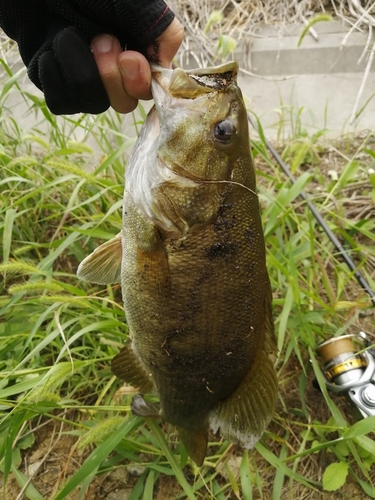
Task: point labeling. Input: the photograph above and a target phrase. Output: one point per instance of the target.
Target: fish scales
(200, 312)
(191, 260)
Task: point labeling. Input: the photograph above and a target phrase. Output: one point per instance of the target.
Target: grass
(66, 431)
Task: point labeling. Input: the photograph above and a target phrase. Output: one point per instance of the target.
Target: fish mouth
(189, 84)
(171, 88)
(215, 78)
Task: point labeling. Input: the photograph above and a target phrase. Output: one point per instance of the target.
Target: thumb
(169, 42)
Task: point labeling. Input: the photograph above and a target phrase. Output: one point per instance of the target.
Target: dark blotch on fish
(221, 250)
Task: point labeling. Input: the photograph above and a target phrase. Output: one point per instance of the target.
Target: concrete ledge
(276, 53)
(307, 61)
(318, 81)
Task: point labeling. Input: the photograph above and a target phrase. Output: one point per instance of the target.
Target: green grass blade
(340, 421)
(137, 491)
(30, 491)
(98, 456)
(245, 477)
(283, 318)
(15, 425)
(116, 154)
(10, 215)
(369, 489)
(279, 465)
(361, 428)
(171, 458)
(279, 476)
(148, 493)
(13, 80)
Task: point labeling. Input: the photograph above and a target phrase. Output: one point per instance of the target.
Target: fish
(191, 261)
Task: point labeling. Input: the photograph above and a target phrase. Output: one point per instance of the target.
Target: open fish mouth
(188, 84)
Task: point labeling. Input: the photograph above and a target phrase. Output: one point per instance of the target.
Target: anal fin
(195, 443)
(126, 366)
(243, 416)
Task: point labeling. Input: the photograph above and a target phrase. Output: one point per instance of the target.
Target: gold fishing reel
(348, 365)
(340, 361)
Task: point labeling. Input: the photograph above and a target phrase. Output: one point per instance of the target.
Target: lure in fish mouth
(191, 262)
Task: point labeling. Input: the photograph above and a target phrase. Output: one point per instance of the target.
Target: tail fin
(195, 443)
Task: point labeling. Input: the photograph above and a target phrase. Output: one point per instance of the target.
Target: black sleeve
(53, 37)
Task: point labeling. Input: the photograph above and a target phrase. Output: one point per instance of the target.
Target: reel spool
(349, 371)
(341, 363)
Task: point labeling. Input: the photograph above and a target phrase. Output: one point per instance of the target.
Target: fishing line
(319, 218)
(229, 182)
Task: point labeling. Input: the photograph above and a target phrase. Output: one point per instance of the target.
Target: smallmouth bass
(191, 261)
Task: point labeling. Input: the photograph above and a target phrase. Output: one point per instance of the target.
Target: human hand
(54, 37)
(126, 75)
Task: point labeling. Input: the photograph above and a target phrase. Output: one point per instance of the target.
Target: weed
(59, 200)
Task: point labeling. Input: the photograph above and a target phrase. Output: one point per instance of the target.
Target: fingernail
(129, 68)
(102, 43)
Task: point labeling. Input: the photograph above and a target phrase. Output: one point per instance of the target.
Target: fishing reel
(348, 366)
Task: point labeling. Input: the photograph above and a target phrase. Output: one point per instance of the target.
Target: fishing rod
(341, 250)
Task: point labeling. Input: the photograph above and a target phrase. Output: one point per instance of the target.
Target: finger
(136, 74)
(168, 43)
(106, 49)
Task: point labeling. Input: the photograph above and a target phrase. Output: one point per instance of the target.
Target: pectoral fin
(126, 366)
(103, 266)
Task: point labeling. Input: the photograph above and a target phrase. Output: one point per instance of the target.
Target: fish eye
(224, 131)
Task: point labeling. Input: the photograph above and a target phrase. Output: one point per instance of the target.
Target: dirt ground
(53, 458)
